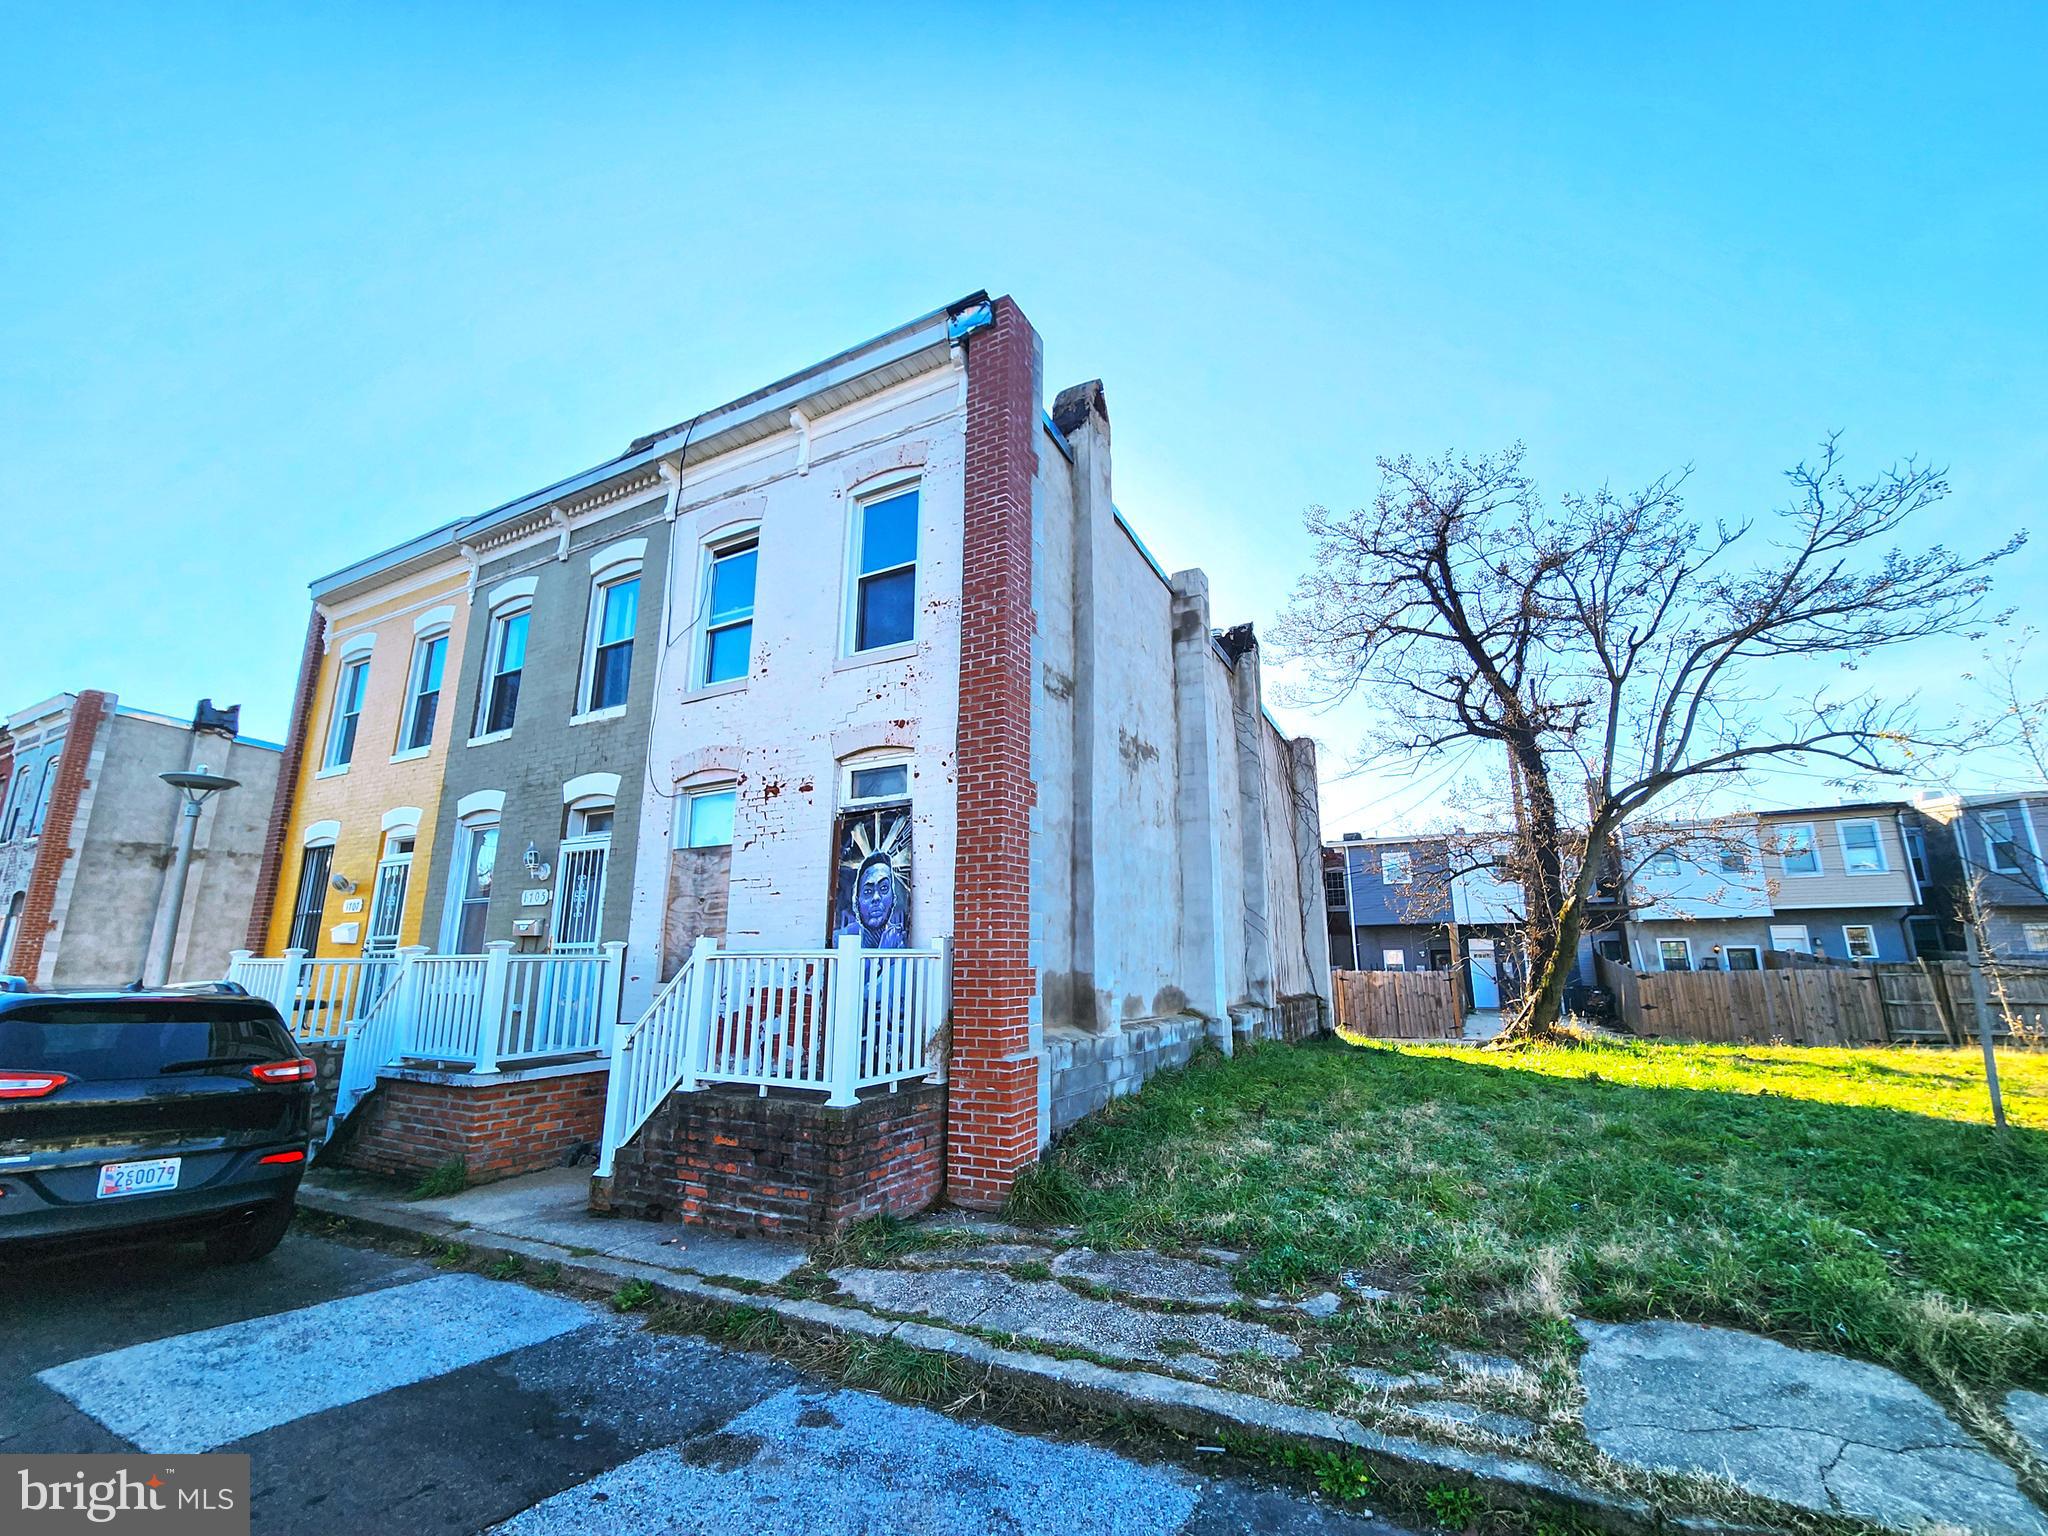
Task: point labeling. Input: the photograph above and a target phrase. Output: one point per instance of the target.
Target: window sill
(593, 716)
(880, 653)
(332, 773)
(717, 690)
(490, 736)
(412, 754)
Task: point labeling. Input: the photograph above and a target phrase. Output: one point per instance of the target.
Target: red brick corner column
(271, 868)
(992, 1109)
(55, 848)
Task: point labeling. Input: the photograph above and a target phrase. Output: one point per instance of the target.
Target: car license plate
(150, 1178)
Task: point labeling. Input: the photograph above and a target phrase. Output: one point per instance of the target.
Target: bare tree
(1616, 650)
(2008, 685)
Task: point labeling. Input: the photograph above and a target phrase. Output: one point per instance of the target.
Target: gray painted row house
(551, 712)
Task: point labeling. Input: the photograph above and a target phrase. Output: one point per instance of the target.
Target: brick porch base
(500, 1123)
(733, 1161)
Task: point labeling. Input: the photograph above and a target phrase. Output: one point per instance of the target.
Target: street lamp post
(195, 787)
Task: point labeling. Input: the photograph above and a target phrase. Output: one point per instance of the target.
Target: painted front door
(1485, 975)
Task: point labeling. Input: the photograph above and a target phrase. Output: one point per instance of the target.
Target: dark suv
(132, 1116)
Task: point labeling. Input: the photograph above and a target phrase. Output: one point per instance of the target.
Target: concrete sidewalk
(1666, 1421)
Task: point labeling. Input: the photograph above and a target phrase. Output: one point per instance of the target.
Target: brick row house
(87, 829)
(812, 809)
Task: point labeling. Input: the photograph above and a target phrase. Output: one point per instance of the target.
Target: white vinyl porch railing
(479, 1013)
(836, 1020)
(320, 999)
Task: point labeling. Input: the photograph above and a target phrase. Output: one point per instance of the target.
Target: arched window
(10, 925)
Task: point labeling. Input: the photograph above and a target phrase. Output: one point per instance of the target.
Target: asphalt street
(377, 1394)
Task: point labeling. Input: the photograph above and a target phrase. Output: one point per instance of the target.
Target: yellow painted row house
(347, 872)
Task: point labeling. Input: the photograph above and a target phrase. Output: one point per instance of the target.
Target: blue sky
(283, 285)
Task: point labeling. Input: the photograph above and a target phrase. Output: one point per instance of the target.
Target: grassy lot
(1852, 1199)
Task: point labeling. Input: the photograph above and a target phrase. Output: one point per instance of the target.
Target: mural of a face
(871, 899)
(875, 898)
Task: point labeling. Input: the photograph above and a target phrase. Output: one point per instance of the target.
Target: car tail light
(15, 1084)
(300, 1070)
(282, 1157)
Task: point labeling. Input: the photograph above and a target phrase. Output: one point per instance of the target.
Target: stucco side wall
(123, 840)
(377, 779)
(784, 734)
(1135, 779)
(1062, 826)
(1229, 822)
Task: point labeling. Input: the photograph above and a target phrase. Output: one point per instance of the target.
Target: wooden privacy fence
(1399, 1005)
(1920, 1002)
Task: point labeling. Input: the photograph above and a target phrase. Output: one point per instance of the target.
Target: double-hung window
(1860, 940)
(1664, 863)
(885, 569)
(729, 616)
(1862, 849)
(614, 615)
(2000, 846)
(1397, 867)
(1734, 860)
(348, 711)
(423, 693)
(504, 664)
(1796, 847)
(1675, 954)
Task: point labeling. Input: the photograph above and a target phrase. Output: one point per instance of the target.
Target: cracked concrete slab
(977, 1255)
(2027, 1412)
(1812, 1429)
(1373, 1379)
(1507, 1426)
(1048, 1313)
(1149, 1276)
(553, 1206)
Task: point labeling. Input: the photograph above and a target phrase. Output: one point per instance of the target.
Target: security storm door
(387, 905)
(579, 893)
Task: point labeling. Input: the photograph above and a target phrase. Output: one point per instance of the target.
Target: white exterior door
(579, 893)
(387, 905)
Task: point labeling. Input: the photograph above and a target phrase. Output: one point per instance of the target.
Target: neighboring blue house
(1995, 842)
(1398, 901)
